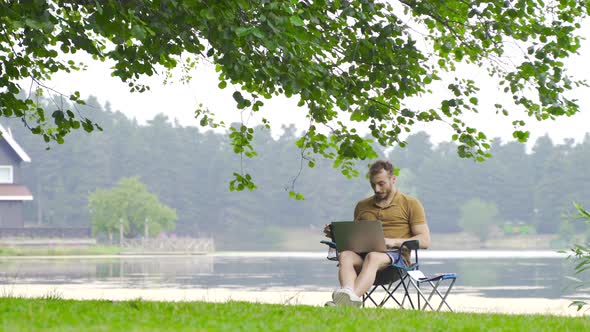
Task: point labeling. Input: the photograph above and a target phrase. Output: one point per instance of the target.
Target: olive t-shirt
(397, 218)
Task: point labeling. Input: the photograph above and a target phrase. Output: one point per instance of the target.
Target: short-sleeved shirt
(397, 218)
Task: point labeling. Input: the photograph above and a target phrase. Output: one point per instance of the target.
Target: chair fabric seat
(444, 276)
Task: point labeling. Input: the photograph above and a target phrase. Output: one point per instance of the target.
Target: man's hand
(393, 243)
(328, 231)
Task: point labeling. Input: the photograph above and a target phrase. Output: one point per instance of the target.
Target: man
(402, 218)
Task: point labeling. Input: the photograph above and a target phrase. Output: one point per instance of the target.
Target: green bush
(580, 254)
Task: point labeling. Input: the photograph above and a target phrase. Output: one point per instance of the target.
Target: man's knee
(348, 257)
(377, 259)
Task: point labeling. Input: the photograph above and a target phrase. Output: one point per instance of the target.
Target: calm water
(491, 274)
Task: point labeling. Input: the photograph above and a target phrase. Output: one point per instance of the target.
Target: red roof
(14, 192)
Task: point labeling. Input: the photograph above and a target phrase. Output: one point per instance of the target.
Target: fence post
(120, 231)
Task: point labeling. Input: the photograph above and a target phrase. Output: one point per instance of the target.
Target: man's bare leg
(374, 261)
(350, 263)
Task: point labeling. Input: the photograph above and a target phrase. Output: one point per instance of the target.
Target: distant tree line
(190, 170)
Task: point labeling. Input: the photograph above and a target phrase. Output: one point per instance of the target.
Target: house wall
(9, 157)
(11, 214)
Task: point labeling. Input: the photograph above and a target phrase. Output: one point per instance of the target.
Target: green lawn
(49, 314)
(60, 251)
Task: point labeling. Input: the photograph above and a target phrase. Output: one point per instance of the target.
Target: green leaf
(296, 21)
(238, 97)
(241, 31)
(138, 32)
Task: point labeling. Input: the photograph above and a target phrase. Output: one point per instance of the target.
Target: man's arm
(421, 233)
(328, 228)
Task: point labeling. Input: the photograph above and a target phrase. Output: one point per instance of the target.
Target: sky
(179, 101)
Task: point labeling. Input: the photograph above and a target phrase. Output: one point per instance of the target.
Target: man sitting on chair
(402, 218)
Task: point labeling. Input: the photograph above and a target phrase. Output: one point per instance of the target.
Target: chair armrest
(330, 244)
(411, 244)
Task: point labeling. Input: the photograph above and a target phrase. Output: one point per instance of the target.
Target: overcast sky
(178, 101)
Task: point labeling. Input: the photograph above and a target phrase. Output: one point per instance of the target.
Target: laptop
(359, 236)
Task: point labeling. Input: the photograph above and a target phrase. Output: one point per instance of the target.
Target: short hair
(379, 165)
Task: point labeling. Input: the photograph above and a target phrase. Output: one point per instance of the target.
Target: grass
(54, 314)
(60, 251)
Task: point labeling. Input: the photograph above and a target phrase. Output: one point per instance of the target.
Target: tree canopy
(130, 205)
(477, 216)
(354, 60)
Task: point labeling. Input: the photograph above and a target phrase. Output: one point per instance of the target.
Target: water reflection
(517, 277)
(492, 277)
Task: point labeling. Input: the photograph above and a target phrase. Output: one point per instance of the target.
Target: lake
(515, 274)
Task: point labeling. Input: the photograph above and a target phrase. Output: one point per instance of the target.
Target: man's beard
(382, 196)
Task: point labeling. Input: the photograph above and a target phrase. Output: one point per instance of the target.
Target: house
(12, 192)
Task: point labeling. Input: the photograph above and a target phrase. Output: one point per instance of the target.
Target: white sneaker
(330, 304)
(346, 297)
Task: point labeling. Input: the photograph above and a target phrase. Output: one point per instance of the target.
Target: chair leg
(444, 298)
(404, 297)
(418, 296)
(406, 290)
(447, 294)
(389, 295)
(368, 296)
(405, 279)
(421, 295)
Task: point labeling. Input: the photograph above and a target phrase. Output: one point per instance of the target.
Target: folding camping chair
(405, 279)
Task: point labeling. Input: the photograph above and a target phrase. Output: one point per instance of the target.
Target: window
(6, 174)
